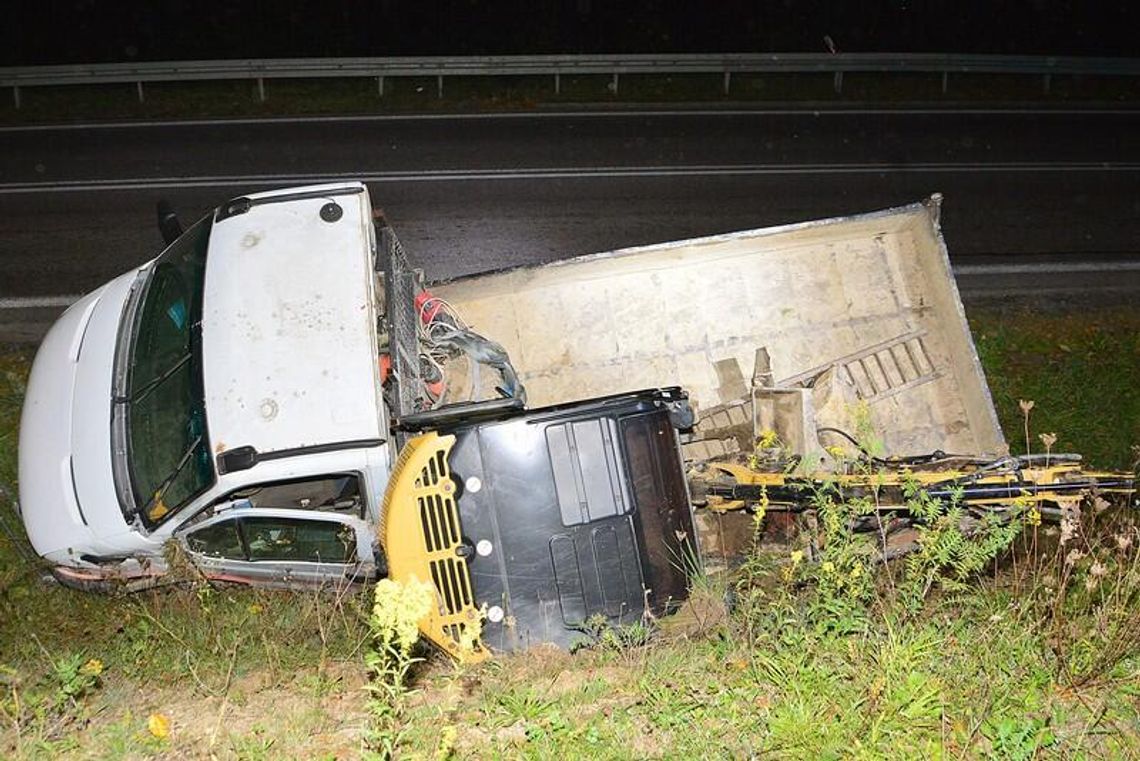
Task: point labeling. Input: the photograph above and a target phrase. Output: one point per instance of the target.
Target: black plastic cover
(574, 512)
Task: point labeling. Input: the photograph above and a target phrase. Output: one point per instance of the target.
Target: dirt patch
(317, 712)
(703, 613)
(572, 680)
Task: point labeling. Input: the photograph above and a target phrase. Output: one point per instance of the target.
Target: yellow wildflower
(1033, 517)
(797, 557)
(398, 609)
(768, 439)
(93, 667)
(158, 724)
(447, 740)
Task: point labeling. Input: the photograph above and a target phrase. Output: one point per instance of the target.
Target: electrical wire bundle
(444, 336)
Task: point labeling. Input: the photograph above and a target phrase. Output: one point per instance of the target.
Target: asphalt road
(1050, 199)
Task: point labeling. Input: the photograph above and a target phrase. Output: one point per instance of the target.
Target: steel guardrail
(557, 66)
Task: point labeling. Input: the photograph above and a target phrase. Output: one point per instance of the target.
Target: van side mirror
(239, 458)
(168, 223)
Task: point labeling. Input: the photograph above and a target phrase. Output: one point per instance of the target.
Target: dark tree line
(90, 31)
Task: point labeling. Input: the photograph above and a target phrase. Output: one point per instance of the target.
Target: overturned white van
(243, 397)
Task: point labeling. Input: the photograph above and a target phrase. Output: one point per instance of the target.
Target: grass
(970, 680)
(240, 98)
(232, 669)
(1083, 375)
(1026, 661)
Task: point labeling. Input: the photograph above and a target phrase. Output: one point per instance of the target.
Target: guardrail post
(945, 81)
(727, 81)
(1047, 83)
(837, 82)
(439, 86)
(16, 95)
(380, 85)
(557, 83)
(614, 84)
(261, 89)
(139, 87)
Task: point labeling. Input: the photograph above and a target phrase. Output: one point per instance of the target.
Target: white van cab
(252, 339)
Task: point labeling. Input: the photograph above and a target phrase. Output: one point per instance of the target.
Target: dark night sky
(89, 31)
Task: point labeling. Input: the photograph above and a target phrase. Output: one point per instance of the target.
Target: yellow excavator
(533, 512)
(478, 513)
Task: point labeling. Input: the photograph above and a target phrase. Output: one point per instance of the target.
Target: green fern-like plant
(952, 545)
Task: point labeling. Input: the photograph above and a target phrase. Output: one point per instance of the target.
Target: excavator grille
(423, 536)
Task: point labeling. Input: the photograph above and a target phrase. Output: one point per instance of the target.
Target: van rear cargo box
(861, 313)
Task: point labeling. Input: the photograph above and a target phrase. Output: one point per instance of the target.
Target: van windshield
(167, 452)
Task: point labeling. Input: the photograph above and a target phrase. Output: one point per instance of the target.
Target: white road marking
(558, 173)
(807, 110)
(1050, 268)
(38, 302)
(977, 294)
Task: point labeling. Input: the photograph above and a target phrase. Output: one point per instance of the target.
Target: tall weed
(394, 625)
(1081, 585)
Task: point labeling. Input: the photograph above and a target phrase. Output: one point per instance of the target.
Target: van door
(274, 547)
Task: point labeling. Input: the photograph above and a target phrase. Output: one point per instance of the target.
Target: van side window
(338, 493)
(299, 539)
(254, 537)
(220, 540)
